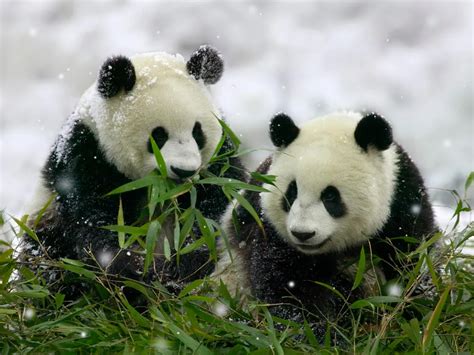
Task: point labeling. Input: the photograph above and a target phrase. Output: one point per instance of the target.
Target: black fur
(160, 136)
(117, 73)
(283, 130)
(206, 64)
(271, 263)
(332, 202)
(199, 135)
(81, 176)
(409, 191)
(373, 130)
(290, 196)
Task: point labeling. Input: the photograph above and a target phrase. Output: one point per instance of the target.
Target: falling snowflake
(64, 184)
(161, 345)
(447, 143)
(415, 209)
(83, 334)
(291, 284)
(220, 309)
(104, 258)
(394, 290)
(29, 313)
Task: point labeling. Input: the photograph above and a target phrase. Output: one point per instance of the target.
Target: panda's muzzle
(181, 173)
(303, 236)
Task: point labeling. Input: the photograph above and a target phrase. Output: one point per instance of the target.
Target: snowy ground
(411, 61)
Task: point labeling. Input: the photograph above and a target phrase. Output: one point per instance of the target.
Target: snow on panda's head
(158, 95)
(334, 180)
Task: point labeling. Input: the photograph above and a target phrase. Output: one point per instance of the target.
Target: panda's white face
(329, 193)
(166, 103)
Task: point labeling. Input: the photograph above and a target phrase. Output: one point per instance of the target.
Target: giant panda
(105, 143)
(341, 183)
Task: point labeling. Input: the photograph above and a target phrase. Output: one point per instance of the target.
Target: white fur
(326, 153)
(164, 95)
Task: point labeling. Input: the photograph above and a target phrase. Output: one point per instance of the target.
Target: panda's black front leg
(92, 244)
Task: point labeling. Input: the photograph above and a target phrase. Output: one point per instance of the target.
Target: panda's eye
(332, 201)
(290, 196)
(160, 136)
(198, 135)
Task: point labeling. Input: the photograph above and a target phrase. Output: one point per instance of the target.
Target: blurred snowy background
(411, 61)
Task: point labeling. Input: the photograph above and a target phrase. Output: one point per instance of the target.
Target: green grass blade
(360, 269)
(120, 222)
(150, 242)
(245, 204)
(160, 161)
(434, 319)
(231, 183)
(134, 185)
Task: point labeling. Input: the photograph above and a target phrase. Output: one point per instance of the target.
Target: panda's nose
(183, 173)
(303, 236)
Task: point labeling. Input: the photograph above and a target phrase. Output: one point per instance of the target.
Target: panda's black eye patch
(198, 135)
(290, 196)
(160, 135)
(332, 202)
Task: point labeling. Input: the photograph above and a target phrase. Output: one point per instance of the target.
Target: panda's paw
(121, 263)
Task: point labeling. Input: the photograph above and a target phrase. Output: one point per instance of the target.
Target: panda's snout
(303, 236)
(181, 173)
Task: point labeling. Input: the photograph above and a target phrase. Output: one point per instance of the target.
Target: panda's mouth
(312, 247)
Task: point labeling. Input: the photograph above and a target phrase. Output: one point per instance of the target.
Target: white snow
(29, 313)
(220, 309)
(104, 258)
(394, 289)
(411, 61)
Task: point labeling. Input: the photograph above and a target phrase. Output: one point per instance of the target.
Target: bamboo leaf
(120, 222)
(232, 183)
(43, 210)
(26, 229)
(360, 269)
(191, 286)
(150, 242)
(166, 248)
(245, 204)
(159, 158)
(434, 319)
(187, 340)
(134, 185)
(469, 181)
(229, 132)
(429, 242)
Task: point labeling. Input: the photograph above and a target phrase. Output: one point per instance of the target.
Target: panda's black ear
(206, 64)
(373, 130)
(283, 130)
(117, 73)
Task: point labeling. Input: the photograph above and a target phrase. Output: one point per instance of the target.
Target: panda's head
(158, 95)
(334, 182)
